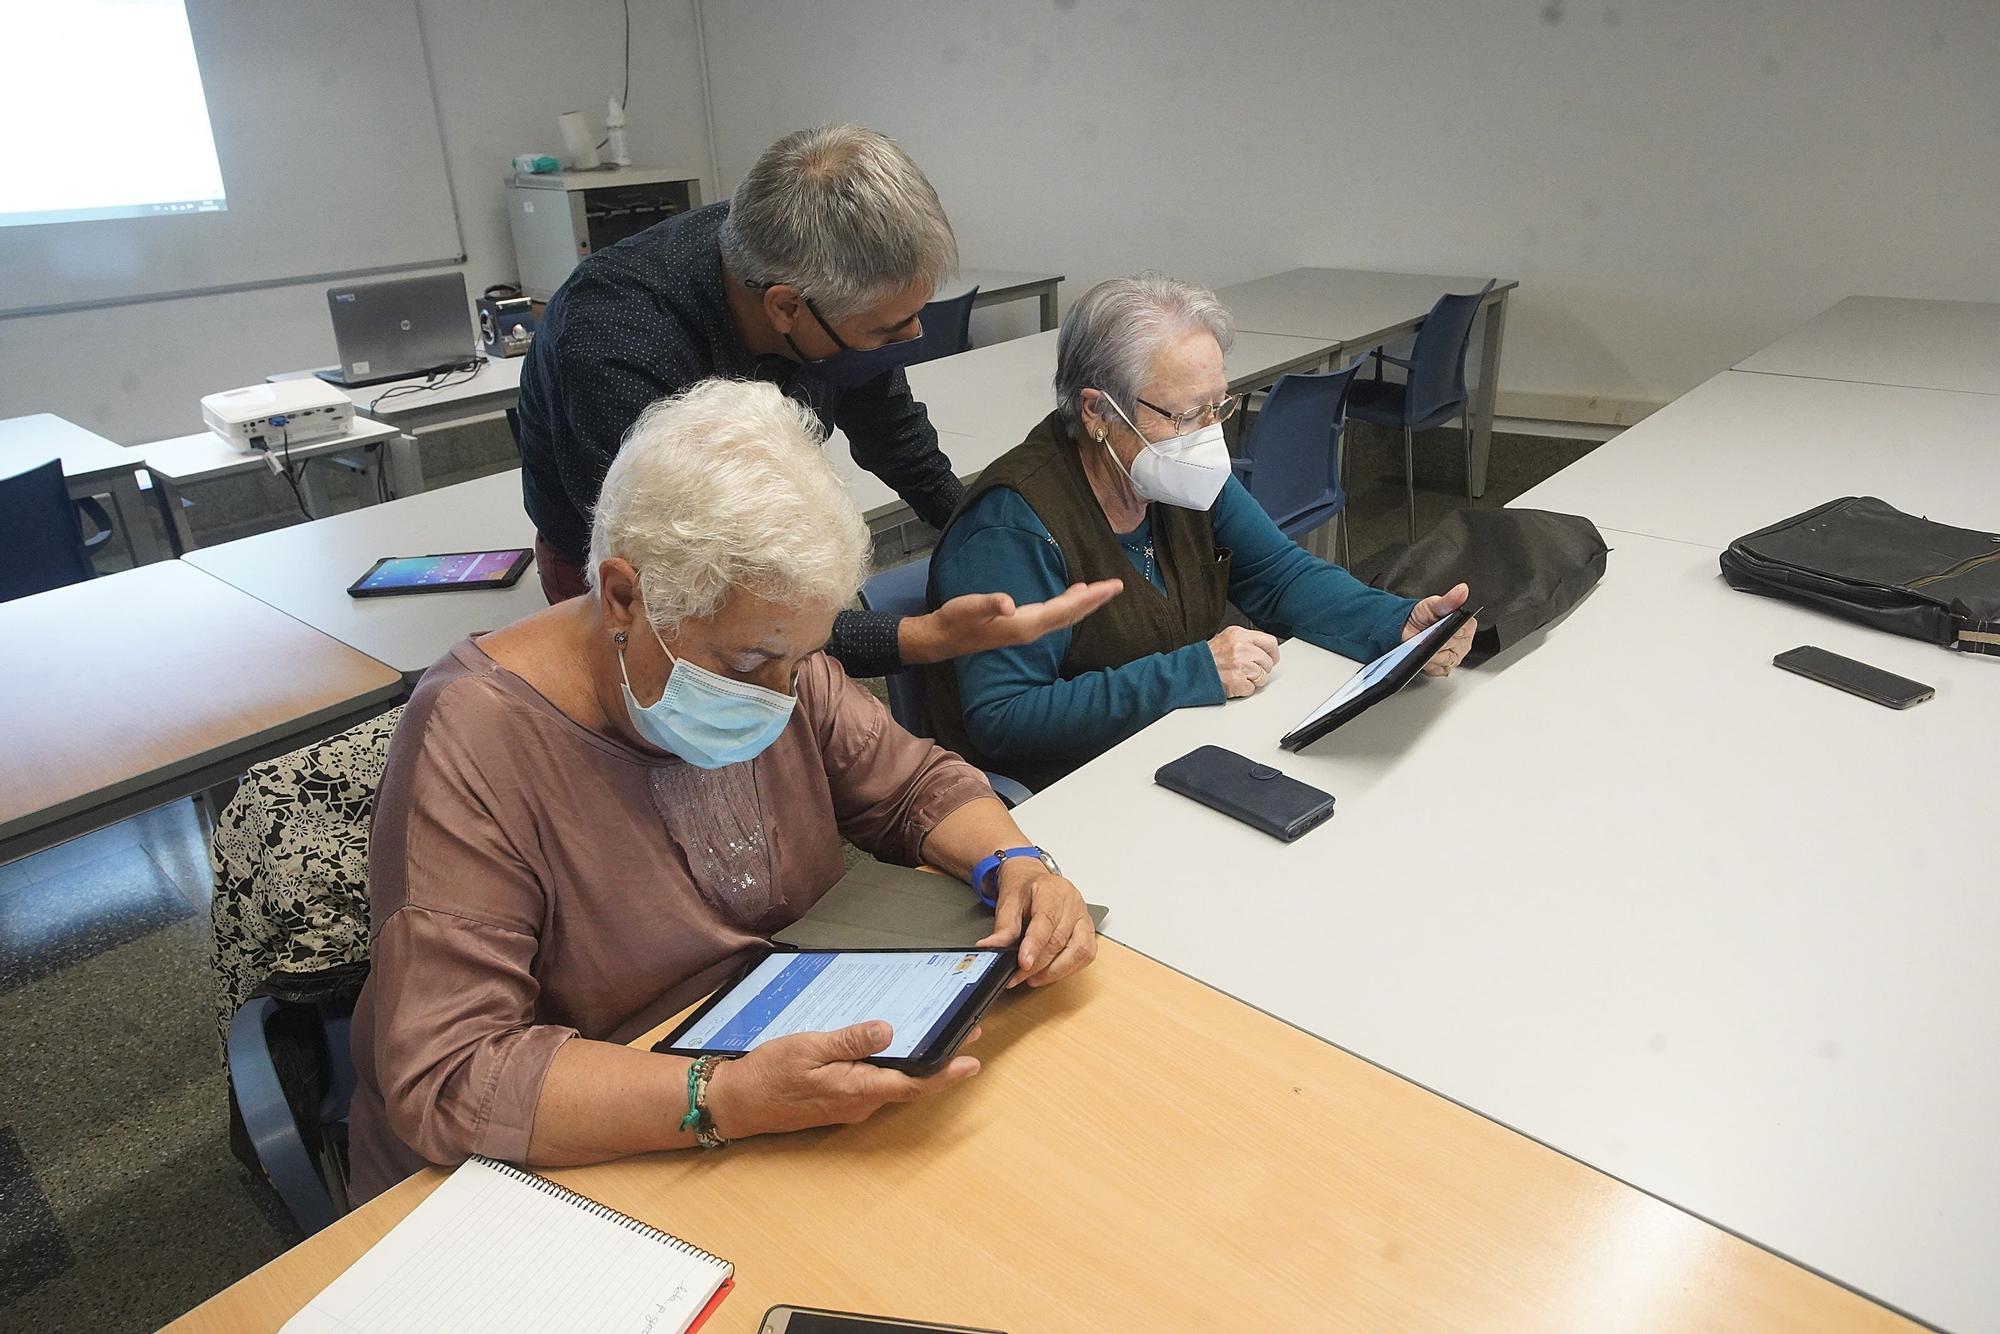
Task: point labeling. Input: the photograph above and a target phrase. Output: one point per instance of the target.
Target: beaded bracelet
(697, 1118)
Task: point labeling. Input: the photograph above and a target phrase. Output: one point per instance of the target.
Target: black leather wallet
(1242, 789)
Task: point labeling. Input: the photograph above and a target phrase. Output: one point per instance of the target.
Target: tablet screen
(815, 991)
(1425, 643)
(461, 568)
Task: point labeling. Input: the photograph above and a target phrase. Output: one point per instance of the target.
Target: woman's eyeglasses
(1207, 413)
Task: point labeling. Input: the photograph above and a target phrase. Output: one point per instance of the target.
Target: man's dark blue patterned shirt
(648, 317)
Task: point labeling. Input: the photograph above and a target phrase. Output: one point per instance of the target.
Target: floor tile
(80, 910)
(111, 1077)
(176, 837)
(33, 1249)
(67, 856)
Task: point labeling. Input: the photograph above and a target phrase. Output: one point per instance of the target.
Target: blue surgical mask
(852, 366)
(708, 720)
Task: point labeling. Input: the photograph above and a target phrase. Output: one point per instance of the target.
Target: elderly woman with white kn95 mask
(1130, 476)
(590, 818)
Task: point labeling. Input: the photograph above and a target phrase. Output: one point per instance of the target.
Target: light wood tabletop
(1143, 1153)
(130, 690)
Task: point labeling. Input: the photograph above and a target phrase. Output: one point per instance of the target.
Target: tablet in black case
(1242, 789)
(1377, 681)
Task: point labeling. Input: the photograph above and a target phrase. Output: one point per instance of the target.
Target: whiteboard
(327, 130)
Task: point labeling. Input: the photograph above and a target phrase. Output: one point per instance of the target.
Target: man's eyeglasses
(1207, 413)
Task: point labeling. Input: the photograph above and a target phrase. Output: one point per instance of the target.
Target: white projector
(271, 416)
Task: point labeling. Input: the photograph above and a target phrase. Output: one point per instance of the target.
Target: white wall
(1675, 182)
(504, 69)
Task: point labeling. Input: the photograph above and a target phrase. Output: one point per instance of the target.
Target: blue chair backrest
(947, 327)
(1437, 365)
(41, 542)
(1296, 442)
(902, 592)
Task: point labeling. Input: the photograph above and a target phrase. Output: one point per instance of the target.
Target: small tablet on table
(1377, 681)
(930, 997)
(448, 572)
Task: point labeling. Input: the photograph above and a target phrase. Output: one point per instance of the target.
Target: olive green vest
(1141, 620)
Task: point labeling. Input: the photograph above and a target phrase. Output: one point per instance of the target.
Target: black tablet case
(1245, 790)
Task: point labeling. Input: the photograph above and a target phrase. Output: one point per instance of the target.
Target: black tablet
(1376, 682)
(452, 571)
(930, 997)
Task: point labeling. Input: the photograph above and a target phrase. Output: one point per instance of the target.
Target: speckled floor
(120, 1203)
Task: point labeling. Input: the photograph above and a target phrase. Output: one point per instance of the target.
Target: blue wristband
(988, 870)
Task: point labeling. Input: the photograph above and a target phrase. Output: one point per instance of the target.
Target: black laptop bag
(1865, 560)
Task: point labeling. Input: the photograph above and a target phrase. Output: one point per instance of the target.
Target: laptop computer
(398, 328)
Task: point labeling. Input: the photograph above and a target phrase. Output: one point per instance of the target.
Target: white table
(998, 285)
(493, 388)
(984, 402)
(461, 398)
(996, 394)
(206, 456)
(1893, 340)
(91, 466)
(304, 570)
(1709, 927)
(1358, 309)
(1742, 451)
(878, 502)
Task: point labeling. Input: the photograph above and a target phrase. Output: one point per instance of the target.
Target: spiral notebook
(497, 1248)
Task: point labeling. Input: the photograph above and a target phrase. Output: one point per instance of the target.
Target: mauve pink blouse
(531, 880)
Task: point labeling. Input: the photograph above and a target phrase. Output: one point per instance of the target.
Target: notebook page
(491, 1252)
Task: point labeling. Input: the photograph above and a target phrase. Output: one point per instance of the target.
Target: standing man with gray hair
(811, 277)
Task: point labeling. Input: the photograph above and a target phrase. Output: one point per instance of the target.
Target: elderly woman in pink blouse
(590, 818)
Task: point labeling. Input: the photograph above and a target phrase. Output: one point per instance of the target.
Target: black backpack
(1524, 567)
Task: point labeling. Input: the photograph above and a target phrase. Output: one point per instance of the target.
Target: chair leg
(1410, 479)
(1347, 499)
(1466, 428)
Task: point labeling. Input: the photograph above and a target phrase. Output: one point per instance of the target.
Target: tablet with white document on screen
(1377, 681)
(931, 998)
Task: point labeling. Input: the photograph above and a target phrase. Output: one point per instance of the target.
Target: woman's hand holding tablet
(1450, 632)
(929, 999)
(819, 1079)
(1428, 612)
(816, 1027)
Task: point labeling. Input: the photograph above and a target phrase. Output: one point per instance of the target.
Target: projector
(270, 416)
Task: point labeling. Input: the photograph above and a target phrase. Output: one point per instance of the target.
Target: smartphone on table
(1856, 678)
(804, 1320)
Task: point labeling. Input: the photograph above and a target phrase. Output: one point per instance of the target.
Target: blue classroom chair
(1434, 391)
(1291, 463)
(41, 541)
(947, 327)
(904, 591)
